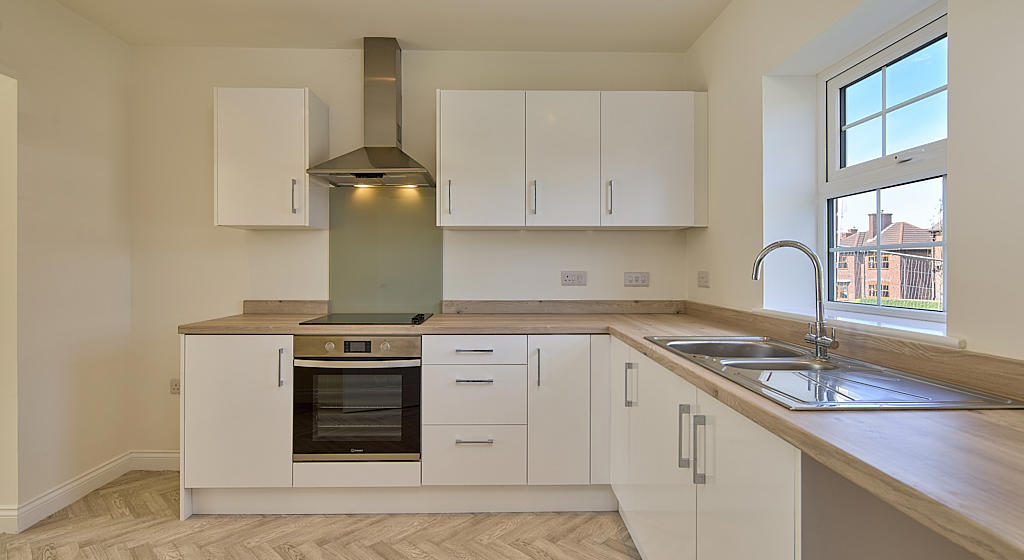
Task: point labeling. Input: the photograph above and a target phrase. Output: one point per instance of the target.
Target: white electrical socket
(703, 279)
(636, 279)
(175, 386)
(574, 277)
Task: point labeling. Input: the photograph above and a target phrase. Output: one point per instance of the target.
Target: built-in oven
(357, 398)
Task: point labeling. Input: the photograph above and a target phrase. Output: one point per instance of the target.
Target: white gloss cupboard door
(481, 158)
(751, 485)
(558, 409)
(648, 148)
(264, 140)
(563, 158)
(237, 392)
(620, 355)
(662, 517)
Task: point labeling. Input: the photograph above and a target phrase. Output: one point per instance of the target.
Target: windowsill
(927, 332)
(934, 328)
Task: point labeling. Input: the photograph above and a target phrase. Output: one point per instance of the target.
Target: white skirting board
(30, 512)
(427, 499)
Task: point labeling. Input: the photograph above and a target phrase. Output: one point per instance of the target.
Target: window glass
(863, 142)
(852, 217)
(916, 124)
(863, 97)
(890, 98)
(917, 205)
(918, 73)
(888, 246)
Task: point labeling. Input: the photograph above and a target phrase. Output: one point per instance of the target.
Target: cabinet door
(662, 516)
(563, 158)
(481, 158)
(260, 156)
(647, 158)
(620, 355)
(558, 397)
(237, 392)
(751, 482)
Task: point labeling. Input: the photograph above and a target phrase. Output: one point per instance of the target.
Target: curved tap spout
(817, 333)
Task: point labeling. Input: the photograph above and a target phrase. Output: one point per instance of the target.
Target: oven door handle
(362, 364)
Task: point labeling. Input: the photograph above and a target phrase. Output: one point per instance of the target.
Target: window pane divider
(889, 247)
(895, 107)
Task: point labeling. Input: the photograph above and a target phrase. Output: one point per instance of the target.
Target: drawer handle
(474, 381)
(474, 350)
(488, 441)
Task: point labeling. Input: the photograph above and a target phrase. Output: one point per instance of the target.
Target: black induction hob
(369, 319)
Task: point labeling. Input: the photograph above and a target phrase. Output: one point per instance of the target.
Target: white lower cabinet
(558, 394)
(506, 409)
(474, 455)
(694, 478)
(237, 411)
(752, 482)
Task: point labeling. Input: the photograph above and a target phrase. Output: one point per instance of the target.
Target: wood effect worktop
(960, 473)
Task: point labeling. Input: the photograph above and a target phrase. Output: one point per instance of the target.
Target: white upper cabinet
(558, 397)
(563, 158)
(265, 139)
(572, 159)
(653, 159)
(481, 159)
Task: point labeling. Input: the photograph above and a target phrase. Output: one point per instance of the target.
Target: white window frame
(916, 164)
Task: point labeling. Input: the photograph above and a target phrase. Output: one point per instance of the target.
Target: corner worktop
(960, 473)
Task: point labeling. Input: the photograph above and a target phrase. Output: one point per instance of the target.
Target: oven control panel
(354, 346)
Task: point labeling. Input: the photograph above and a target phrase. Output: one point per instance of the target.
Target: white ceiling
(509, 25)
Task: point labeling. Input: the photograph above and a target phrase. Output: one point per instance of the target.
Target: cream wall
(73, 230)
(526, 265)
(186, 269)
(984, 195)
(8, 297)
(732, 59)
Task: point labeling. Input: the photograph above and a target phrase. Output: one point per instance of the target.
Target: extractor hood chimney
(381, 161)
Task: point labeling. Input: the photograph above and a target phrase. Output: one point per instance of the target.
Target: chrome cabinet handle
(611, 196)
(294, 209)
(534, 196)
(280, 367)
(488, 441)
(699, 421)
(474, 350)
(538, 367)
(474, 381)
(630, 366)
(684, 411)
(450, 209)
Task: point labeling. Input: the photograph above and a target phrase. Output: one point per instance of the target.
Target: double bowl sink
(791, 376)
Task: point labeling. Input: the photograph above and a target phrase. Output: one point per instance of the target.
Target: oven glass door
(357, 410)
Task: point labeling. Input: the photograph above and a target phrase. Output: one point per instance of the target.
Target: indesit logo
(355, 450)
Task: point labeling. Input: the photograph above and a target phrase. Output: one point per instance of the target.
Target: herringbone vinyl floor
(135, 517)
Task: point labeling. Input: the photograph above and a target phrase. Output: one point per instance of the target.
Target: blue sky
(913, 125)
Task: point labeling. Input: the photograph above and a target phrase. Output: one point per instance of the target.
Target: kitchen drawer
(501, 462)
(474, 394)
(474, 349)
(354, 474)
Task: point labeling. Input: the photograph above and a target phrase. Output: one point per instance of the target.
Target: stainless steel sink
(791, 376)
(739, 347)
(807, 364)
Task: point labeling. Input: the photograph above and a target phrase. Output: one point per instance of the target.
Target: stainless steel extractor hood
(381, 162)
